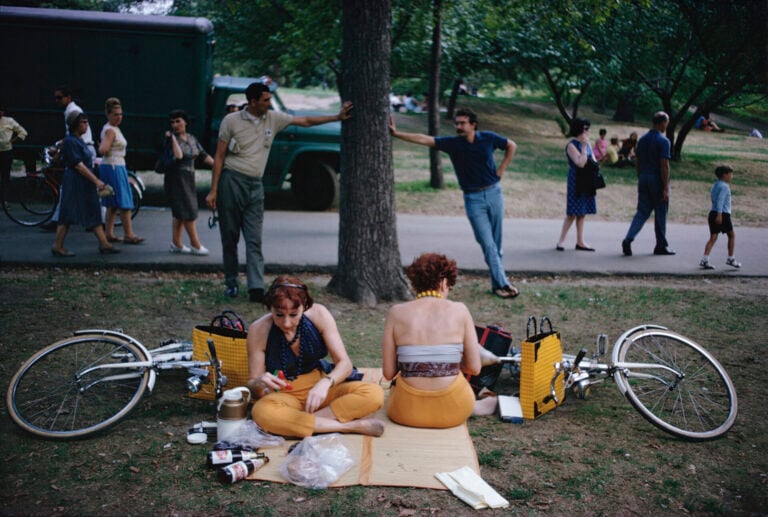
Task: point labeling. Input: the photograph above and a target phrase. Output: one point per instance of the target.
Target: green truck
(153, 64)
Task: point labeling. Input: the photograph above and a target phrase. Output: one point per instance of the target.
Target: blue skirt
(117, 176)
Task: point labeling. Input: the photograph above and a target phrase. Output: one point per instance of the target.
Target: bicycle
(672, 381)
(31, 199)
(87, 383)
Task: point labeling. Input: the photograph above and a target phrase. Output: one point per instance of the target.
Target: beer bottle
(217, 459)
(240, 470)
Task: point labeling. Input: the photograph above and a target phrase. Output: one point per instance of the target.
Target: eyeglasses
(58, 97)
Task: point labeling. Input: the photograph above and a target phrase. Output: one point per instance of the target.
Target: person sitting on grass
(429, 344)
(296, 397)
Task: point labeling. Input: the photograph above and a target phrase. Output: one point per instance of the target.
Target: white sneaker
(706, 265)
(200, 252)
(184, 249)
(732, 262)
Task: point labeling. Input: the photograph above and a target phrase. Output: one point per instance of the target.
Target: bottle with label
(240, 470)
(217, 459)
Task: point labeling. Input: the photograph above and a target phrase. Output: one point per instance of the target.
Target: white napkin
(472, 489)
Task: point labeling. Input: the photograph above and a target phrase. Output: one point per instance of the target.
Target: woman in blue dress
(80, 189)
(579, 204)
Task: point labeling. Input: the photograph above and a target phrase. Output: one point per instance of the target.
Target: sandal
(133, 240)
(507, 292)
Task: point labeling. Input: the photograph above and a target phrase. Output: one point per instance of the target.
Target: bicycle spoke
(697, 403)
(65, 392)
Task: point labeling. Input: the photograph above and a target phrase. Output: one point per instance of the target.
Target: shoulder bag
(166, 162)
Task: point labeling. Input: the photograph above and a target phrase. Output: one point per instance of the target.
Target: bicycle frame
(164, 357)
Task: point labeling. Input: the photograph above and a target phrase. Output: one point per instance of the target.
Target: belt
(480, 189)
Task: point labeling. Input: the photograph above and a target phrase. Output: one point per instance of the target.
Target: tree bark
(436, 179)
(369, 268)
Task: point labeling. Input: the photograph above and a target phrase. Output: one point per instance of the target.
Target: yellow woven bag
(230, 350)
(539, 353)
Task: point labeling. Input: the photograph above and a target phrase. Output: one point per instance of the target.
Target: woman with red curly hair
(429, 343)
(297, 398)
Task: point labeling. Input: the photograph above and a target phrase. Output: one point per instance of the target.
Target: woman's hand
(317, 395)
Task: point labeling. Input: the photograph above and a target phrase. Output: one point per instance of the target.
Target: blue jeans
(485, 210)
(240, 204)
(650, 198)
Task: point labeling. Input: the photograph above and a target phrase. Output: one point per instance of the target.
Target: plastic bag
(251, 435)
(317, 461)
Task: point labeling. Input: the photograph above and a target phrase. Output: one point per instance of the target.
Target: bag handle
(531, 319)
(541, 327)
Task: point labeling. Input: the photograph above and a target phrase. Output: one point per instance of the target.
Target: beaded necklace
(431, 293)
(285, 349)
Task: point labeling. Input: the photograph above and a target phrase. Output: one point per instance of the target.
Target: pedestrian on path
(720, 217)
(652, 162)
(578, 203)
(245, 139)
(471, 153)
(10, 132)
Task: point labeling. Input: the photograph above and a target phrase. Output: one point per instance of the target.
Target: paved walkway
(300, 241)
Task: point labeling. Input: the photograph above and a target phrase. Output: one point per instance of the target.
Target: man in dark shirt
(471, 153)
(652, 162)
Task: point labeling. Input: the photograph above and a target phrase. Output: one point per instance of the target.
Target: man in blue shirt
(652, 162)
(471, 153)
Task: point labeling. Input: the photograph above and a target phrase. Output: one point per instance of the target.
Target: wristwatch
(330, 379)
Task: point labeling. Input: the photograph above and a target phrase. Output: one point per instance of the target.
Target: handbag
(166, 162)
(540, 352)
(496, 340)
(231, 350)
(589, 179)
(599, 180)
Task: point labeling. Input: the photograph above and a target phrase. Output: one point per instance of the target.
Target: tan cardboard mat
(402, 456)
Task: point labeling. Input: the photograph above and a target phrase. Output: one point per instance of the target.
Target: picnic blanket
(402, 456)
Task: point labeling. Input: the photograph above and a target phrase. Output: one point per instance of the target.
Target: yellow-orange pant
(422, 408)
(283, 413)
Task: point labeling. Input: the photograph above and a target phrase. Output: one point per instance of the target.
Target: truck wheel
(315, 185)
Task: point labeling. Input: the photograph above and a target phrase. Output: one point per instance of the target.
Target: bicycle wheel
(679, 387)
(64, 391)
(137, 192)
(29, 200)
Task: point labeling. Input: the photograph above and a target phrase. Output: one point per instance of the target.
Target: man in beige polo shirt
(245, 139)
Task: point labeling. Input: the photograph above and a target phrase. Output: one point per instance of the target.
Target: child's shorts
(724, 227)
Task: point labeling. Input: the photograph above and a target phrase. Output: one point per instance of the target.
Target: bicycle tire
(29, 200)
(137, 193)
(52, 395)
(701, 404)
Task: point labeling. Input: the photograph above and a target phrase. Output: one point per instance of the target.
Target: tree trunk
(451, 108)
(625, 109)
(369, 268)
(435, 165)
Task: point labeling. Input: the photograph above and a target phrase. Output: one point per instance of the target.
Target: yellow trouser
(283, 413)
(422, 408)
